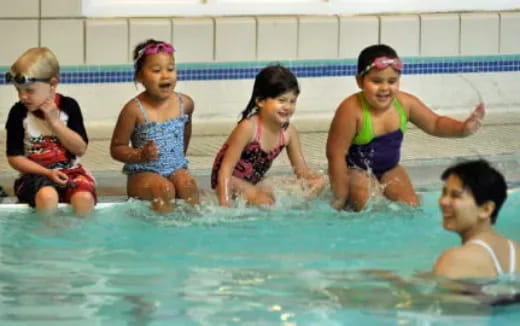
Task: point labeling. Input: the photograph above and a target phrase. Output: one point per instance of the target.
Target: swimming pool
(298, 263)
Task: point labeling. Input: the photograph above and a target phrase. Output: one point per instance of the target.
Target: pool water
(297, 263)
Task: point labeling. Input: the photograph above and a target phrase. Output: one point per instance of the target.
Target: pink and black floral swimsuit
(254, 161)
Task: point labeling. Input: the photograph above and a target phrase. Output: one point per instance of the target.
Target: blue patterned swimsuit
(169, 139)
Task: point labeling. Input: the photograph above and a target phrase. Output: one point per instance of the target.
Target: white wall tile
(277, 38)
(193, 39)
(69, 46)
(61, 8)
(318, 37)
(479, 33)
(17, 36)
(19, 8)
(401, 33)
(235, 39)
(144, 29)
(351, 40)
(440, 35)
(510, 33)
(107, 41)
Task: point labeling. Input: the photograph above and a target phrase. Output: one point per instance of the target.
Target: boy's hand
(50, 110)
(474, 121)
(58, 177)
(149, 152)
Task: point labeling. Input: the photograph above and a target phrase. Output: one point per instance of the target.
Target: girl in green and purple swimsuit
(364, 142)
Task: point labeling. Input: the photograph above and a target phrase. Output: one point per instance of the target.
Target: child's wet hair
(138, 58)
(39, 62)
(370, 53)
(272, 81)
(483, 181)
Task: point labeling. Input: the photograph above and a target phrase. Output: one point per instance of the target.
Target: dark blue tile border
(303, 69)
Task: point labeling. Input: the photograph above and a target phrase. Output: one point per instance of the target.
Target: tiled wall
(110, 41)
(89, 48)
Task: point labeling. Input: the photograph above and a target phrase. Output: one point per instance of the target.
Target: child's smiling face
(280, 108)
(158, 75)
(380, 86)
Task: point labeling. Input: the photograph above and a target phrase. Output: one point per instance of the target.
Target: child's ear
(258, 102)
(139, 77)
(53, 82)
(359, 81)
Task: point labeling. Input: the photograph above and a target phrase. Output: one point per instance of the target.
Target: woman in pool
(471, 198)
(368, 127)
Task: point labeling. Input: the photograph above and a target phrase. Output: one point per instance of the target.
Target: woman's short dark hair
(484, 181)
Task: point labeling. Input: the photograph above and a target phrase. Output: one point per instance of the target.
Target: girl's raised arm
(441, 126)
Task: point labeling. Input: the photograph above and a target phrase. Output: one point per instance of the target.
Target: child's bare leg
(360, 183)
(185, 186)
(46, 200)
(398, 186)
(152, 186)
(83, 202)
(254, 194)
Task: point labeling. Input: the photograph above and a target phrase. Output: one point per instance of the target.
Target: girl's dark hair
(370, 53)
(484, 181)
(270, 82)
(139, 60)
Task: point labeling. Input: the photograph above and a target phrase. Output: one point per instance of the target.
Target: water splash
(474, 88)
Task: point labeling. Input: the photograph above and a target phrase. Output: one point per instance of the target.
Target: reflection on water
(297, 263)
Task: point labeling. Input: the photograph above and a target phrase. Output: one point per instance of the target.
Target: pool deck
(424, 156)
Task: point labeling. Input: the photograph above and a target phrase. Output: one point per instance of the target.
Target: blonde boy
(45, 137)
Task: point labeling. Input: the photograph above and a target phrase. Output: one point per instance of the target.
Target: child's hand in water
(149, 152)
(474, 121)
(314, 186)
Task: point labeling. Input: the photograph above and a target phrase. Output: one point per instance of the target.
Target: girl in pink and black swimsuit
(260, 136)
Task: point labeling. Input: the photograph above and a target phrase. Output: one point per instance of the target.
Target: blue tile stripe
(302, 69)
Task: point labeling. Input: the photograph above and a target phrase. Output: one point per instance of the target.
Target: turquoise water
(298, 263)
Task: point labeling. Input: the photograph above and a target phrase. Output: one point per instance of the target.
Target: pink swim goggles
(381, 63)
(154, 48)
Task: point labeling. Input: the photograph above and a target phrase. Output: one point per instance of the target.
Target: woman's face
(459, 210)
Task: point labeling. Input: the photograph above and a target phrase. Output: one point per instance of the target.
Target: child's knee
(83, 197)
(358, 200)
(83, 202)
(46, 198)
(187, 184)
(47, 194)
(163, 190)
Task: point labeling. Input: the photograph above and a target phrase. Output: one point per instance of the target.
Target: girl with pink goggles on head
(381, 63)
(367, 131)
(155, 48)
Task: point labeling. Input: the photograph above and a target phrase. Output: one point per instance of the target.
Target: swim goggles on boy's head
(381, 63)
(154, 48)
(22, 79)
